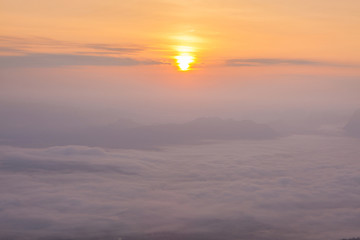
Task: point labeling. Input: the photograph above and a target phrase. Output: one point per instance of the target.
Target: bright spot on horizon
(185, 57)
(186, 48)
(184, 61)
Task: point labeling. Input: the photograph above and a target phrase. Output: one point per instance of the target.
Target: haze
(162, 119)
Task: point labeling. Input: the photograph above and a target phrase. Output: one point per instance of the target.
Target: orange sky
(320, 33)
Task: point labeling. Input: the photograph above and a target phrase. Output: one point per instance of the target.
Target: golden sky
(214, 32)
(124, 56)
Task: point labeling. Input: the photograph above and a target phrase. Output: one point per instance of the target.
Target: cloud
(289, 188)
(243, 62)
(43, 41)
(59, 60)
(10, 50)
(113, 48)
(19, 165)
(25, 45)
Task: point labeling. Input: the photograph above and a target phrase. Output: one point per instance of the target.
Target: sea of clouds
(297, 187)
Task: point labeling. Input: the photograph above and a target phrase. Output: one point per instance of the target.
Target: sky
(321, 31)
(125, 56)
(198, 119)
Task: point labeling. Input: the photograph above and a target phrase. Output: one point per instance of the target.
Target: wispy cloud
(108, 47)
(10, 50)
(25, 42)
(30, 43)
(58, 60)
(252, 62)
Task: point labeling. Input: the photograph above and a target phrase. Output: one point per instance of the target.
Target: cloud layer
(23, 44)
(58, 60)
(244, 62)
(301, 187)
(23, 53)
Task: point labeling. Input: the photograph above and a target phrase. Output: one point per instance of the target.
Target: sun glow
(184, 61)
(185, 57)
(186, 49)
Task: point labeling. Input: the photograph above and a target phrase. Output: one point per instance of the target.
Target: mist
(98, 157)
(104, 96)
(298, 187)
(179, 120)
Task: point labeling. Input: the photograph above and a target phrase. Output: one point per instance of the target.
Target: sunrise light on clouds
(164, 119)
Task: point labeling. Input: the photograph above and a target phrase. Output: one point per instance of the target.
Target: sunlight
(184, 60)
(186, 49)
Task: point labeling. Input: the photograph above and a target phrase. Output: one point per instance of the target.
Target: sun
(184, 61)
(185, 56)
(186, 49)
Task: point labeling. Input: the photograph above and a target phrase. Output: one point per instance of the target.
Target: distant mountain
(352, 128)
(123, 123)
(193, 132)
(327, 123)
(128, 134)
(217, 128)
